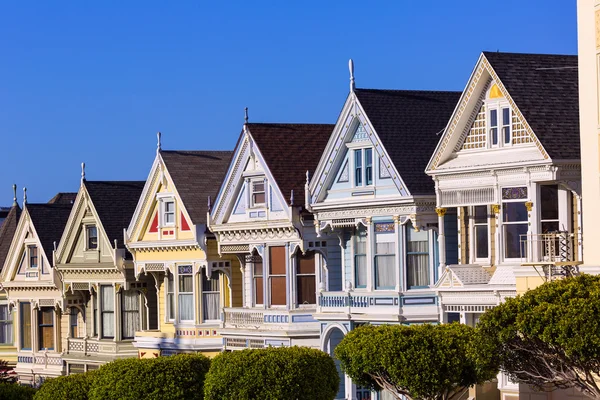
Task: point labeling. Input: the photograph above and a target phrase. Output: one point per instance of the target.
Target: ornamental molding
(380, 211)
(255, 235)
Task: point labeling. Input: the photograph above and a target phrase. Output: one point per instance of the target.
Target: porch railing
(270, 319)
(556, 253)
(82, 345)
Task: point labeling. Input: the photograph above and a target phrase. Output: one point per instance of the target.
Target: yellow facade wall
(169, 255)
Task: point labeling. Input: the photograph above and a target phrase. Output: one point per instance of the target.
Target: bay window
(360, 257)
(25, 322)
(385, 256)
(211, 304)
(130, 313)
(6, 326)
(46, 328)
(186, 293)
(417, 257)
(107, 311)
(305, 278)
(277, 269)
(514, 222)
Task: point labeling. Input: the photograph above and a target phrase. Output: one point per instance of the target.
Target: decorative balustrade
(557, 253)
(83, 345)
(268, 319)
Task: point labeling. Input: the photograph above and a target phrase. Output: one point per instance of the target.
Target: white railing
(252, 318)
(550, 248)
(82, 345)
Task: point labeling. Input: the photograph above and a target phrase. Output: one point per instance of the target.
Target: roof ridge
(291, 123)
(409, 90)
(528, 54)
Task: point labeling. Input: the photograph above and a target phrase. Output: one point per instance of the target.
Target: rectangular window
(258, 280)
(92, 237)
(494, 127)
(480, 223)
(515, 228)
(33, 256)
(385, 256)
(305, 278)
(358, 167)
(186, 293)
(506, 125)
(417, 258)
(130, 313)
(95, 318)
(6, 326)
(170, 297)
(549, 208)
(73, 316)
(211, 303)
(169, 212)
(46, 328)
(369, 166)
(277, 267)
(107, 311)
(258, 193)
(25, 318)
(360, 257)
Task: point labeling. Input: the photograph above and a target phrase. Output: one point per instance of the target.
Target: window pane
(258, 198)
(360, 262)
(92, 233)
(369, 166)
(549, 200)
(212, 284)
(131, 315)
(186, 307)
(417, 270)
(211, 306)
(306, 263)
(5, 325)
(108, 325)
(358, 167)
(46, 325)
(480, 214)
(549, 227)
(514, 212)
(512, 238)
(278, 290)
(506, 124)
(277, 260)
(186, 283)
(169, 206)
(493, 118)
(258, 186)
(25, 325)
(481, 238)
(258, 268)
(385, 273)
(307, 290)
(108, 298)
(258, 290)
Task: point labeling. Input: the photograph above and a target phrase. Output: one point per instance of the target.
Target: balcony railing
(557, 253)
(269, 319)
(84, 345)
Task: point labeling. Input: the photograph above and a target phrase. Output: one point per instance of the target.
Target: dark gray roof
(63, 198)
(115, 202)
(289, 151)
(49, 221)
(7, 231)
(197, 175)
(409, 124)
(545, 89)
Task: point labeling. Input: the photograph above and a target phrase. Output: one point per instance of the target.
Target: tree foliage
(419, 361)
(70, 387)
(549, 337)
(14, 391)
(284, 373)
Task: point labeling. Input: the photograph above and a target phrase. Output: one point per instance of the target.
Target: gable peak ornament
(351, 69)
(15, 195)
(82, 172)
(158, 145)
(24, 195)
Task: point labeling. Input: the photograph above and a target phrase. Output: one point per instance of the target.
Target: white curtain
(108, 311)
(385, 261)
(211, 306)
(130, 306)
(417, 258)
(186, 298)
(6, 336)
(361, 270)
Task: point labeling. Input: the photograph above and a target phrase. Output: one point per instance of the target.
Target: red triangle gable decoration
(154, 226)
(184, 224)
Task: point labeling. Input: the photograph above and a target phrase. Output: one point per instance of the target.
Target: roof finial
(15, 195)
(158, 146)
(292, 197)
(24, 195)
(209, 203)
(351, 68)
(307, 177)
(245, 115)
(82, 172)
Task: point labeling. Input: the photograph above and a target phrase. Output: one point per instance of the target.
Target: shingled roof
(63, 198)
(49, 221)
(408, 123)
(545, 89)
(115, 203)
(289, 151)
(197, 175)
(7, 231)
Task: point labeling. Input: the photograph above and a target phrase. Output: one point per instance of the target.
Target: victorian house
(8, 351)
(103, 304)
(259, 217)
(371, 193)
(507, 166)
(171, 246)
(34, 289)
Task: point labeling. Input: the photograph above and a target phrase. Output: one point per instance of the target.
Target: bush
(169, 378)
(14, 391)
(285, 373)
(71, 387)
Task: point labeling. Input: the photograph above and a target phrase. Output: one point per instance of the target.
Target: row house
(260, 218)
(507, 167)
(371, 193)
(33, 288)
(171, 245)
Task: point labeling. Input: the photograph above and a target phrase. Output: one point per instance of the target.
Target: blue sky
(95, 81)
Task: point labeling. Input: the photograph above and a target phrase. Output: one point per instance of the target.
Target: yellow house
(170, 242)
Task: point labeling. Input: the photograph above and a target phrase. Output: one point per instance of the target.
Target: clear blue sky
(94, 81)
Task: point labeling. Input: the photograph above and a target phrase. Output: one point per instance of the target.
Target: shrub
(14, 391)
(169, 378)
(71, 387)
(7, 373)
(285, 373)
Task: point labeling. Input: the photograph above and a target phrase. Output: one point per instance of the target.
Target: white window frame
(179, 293)
(502, 224)
(251, 192)
(170, 296)
(431, 256)
(219, 292)
(87, 237)
(37, 256)
(352, 148)
(498, 105)
(7, 324)
(473, 236)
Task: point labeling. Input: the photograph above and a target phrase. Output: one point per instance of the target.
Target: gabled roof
(115, 203)
(7, 231)
(49, 221)
(545, 89)
(197, 175)
(289, 151)
(63, 198)
(408, 123)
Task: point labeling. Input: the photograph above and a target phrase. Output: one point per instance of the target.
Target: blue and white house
(371, 192)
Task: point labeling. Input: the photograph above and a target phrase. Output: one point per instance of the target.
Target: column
(370, 254)
(399, 253)
(441, 212)
(117, 313)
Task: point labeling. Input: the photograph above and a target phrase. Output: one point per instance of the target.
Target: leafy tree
(69, 387)
(419, 361)
(7, 374)
(549, 337)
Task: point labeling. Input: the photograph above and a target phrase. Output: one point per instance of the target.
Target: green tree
(548, 337)
(419, 361)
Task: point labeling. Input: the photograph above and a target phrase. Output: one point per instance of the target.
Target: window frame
(88, 237)
(181, 293)
(103, 312)
(363, 163)
(23, 325)
(170, 303)
(271, 275)
(30, 265)
(165, 199)
(252, 192)
(355, 254)
(7, 325)
(429, 253)
(74, 312)
(205, 292)
(299, 275)
(498, 105)
(255, 280)
(387, 235)
(503, 223)
(41, 326)
(125, 312)
(473, 228)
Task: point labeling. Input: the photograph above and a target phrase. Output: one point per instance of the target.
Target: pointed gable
(49, 221)
(7, 231)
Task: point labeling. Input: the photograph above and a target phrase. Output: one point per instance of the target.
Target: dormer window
(258, 193)
(363, 167)
(33, 256)
(168, 212)
(92, 237)
(506, 125)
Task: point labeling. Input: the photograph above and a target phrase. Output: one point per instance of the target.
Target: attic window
(363, 167)
(258, 193)
(92, 237)
(33, 256)
(168, 212)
